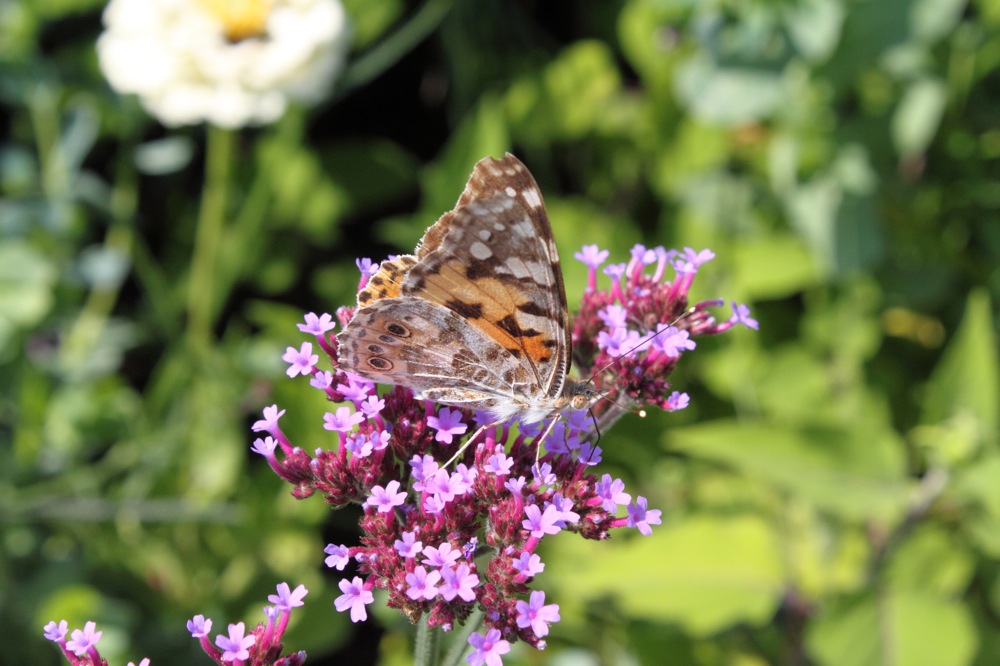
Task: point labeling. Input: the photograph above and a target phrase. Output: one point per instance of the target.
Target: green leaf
(931, 560)
(966, 380)
(26, 282)
(859, 475)
(703, 573)
(815, 26)
(728, 95)
(918, 116)
(893, 629)
(772, 266)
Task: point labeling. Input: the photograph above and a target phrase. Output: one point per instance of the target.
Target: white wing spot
(498, 227)
(532, 196)
(524, 228)
(485, 234)
(480, 251)
(511, 192)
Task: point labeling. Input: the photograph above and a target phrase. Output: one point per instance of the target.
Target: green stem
(88, 326)
(460, 642)
(208, 237)
(395, 46)
(426, 644)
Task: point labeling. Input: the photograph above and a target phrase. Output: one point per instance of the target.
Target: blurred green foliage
(832, 496)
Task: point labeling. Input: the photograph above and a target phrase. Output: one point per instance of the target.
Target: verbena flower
(445, 540)
(229, 63)
(262, 645)
(81, 647)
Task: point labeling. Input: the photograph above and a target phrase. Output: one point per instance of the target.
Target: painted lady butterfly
(478, 317)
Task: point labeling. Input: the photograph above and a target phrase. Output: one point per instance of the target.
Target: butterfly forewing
(492, 268)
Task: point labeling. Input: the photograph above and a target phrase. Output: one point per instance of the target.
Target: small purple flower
(540, 523)
(421, 584)
(641, 518)
(499, 464)
(379, 439)
(591, 256)
(516, 486)
(448, 422)
(469, 548)
(270, 420)
(356, 389)
(236, 645)
(321, 380)
(423, 468)
(590, 454)
(343, 421)
(440, 485)
(528, 564)
(612, 492)
(301, 361)
(615, 271)
(372, 405)
(443, 556)
(536, 614)
(614, 342)
(338, 558)
(384, 499)
(741, 315)
(56, 632)
(84, 639)
(359, 445)
(613, 316)
(264, 447)
(564, 507)
(199, 626)
(543, 474)
(366, 266)
(317, 325)
(488, 648)
(355, 597)
(285, 600)
(434, 504)
(641, 255)
(408, 547)
(458, 582)
(673, 342)
(678, 400)
(698, 258)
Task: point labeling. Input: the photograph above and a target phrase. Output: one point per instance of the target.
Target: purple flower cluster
(261, 647)
(443, 539)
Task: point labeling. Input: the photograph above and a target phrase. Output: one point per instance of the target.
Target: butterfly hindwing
(414, 343)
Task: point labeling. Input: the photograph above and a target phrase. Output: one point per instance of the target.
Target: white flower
(228, 62)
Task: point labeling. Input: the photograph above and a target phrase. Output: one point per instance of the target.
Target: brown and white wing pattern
(488, 326)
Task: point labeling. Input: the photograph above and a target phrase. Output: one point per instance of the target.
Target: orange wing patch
(388, 281)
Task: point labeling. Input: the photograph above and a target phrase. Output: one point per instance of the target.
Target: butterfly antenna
(641, 413)
(681, 317)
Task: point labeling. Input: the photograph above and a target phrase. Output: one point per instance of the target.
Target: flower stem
(460, 643)
(394, 47)
(426, 645)
(211, 219)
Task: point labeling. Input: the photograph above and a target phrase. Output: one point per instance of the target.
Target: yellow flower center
(241, 19)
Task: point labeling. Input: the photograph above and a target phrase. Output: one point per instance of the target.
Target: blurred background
(832, 495)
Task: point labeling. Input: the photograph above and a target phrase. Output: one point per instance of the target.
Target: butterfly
(478, 317)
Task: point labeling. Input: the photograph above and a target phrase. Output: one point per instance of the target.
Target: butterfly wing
(414, 343)
(494, 262)
(487, 278)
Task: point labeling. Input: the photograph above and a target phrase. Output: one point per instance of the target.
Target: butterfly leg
(469, 441)
(542, 437)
